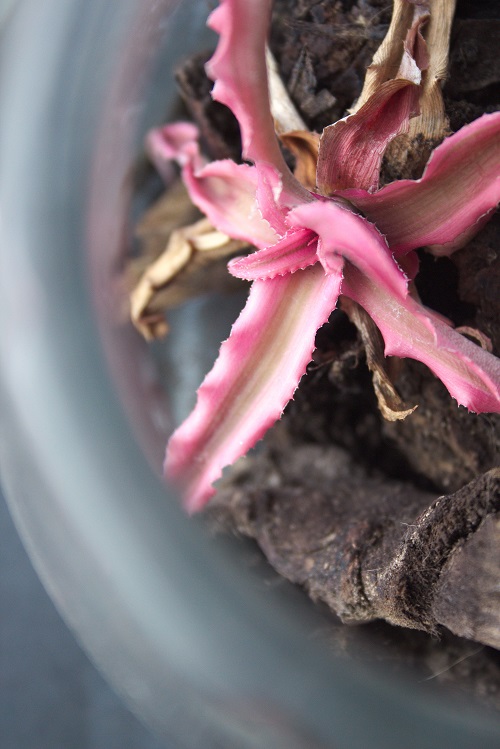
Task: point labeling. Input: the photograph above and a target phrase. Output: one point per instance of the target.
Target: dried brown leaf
(432, 122)
(189, 250)
(387, 59)
(391, 406)
(304, 146)
(285, 115)
(408, 16)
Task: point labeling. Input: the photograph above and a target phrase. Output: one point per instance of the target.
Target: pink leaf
(459, 189)
(471, 374)
(256, 374)
(348, 235)
(270, 196)
(275, 199)
(296, 251)
(176, 142)
(238, 68)
(224, 191)
(351, 150)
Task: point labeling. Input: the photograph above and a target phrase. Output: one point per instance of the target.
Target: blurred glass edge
(5, 7)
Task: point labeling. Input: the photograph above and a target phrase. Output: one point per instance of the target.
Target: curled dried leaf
(432, 122)
(390, 403)
(387, 60)
(420, 32)
(173, 209)
(477, 335)
(304, 146)
(148, 300)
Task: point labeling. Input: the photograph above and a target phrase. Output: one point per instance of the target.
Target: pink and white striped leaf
(275, 199)
(238, 68)
(470, 374)
(178, 142)
(351, 150)
(347, 235)
(453, 199)
(224, 191)
(255, 375)
(296, 251)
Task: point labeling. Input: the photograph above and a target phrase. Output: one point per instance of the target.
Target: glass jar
(184, 627)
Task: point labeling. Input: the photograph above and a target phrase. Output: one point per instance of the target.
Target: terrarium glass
(186, 628)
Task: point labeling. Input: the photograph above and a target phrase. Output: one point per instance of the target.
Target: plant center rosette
(326, 232)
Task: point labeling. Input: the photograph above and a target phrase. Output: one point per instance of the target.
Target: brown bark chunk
(371, 548)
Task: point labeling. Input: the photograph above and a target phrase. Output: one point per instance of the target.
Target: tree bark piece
(368, 547)
(471, 578)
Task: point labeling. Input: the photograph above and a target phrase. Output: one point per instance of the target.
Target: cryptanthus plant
(327, 235)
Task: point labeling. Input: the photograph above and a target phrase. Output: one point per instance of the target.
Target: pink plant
(349, 238)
